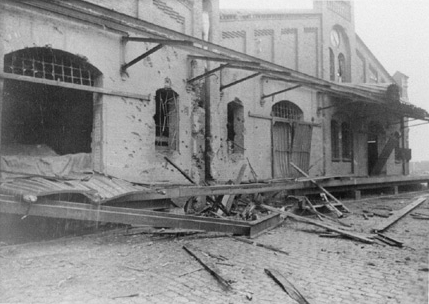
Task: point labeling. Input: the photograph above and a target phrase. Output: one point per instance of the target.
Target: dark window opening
(235, 127)
(166, 119)
(35, 114)
(335, 140)
(331, 65)
(39, 117)
(346, 142)
(342, 68)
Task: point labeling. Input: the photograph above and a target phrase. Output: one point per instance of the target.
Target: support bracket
(238, 81)
(208, 73)
(281, 91)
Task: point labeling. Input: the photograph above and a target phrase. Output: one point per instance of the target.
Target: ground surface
(114, 268)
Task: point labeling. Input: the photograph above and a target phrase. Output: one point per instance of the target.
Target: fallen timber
(298, 218)
(99, 213)
(382, 226)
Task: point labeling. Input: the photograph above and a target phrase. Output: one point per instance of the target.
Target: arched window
(335, 140)
(287, 109)
(346, 141)
(50, 116)
(52, 64)
(342, 68)
(331, 65)
(166, 119)
(235, 126)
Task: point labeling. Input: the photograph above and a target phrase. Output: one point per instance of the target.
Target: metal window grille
(166, 119)
(288, 110)
(50, 64)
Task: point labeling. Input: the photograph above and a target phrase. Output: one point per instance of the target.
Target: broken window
(235, 127)
(166, 119)
(48, 116)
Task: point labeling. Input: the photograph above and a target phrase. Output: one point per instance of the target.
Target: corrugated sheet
(95, 187)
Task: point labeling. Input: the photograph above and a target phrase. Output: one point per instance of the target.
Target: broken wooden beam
(319, 224)
(388, 240)
(287, 286)
(211, 269)
(273, 248)
(227, 200)
(398, 215)
(337, 212)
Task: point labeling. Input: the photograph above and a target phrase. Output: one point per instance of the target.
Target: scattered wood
(261, 245)
(312, 209)
(189, 272)
(227, 200)
(399, 214)
(337, 212)
(127, 296)
(388, 240)
(330, 235)
(298, 218)
(287, 286)
(419, 217)
(255, 176)
(211, 269)
(381, 214)
(365, 216)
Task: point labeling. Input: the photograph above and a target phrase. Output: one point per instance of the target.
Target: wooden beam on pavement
(398, 215)
(298, 218)
(211, 269)
(286, 285)
(337, 212)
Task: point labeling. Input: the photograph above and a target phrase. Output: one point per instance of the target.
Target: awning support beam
(208, 73)
(238, 81)
(125, 66)
(281, 91)
(226, 60)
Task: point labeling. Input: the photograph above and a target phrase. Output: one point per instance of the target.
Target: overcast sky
(397, 32)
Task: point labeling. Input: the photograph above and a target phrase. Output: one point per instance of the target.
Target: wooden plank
(211, 269)
(384, 155)
(399, 214)
(337, 212)
(227, 200)
(73, 86)
(273, 248)
(287, 286)
(319, 224)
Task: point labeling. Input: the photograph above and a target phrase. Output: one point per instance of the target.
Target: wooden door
(291, 143)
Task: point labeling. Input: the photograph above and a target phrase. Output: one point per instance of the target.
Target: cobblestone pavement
(114, 268)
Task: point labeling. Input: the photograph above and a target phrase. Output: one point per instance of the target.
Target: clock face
(335, 38)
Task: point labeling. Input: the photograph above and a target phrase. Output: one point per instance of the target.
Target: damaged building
(135, 100)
